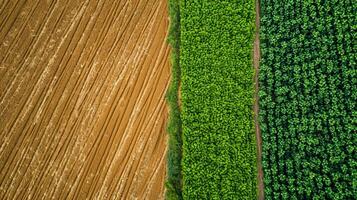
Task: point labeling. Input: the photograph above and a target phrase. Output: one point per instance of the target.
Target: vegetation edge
(174, 127)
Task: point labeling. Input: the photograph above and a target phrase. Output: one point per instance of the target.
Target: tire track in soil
(83, 109)
(256, 60)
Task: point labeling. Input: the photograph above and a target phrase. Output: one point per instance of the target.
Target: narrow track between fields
(256, 60)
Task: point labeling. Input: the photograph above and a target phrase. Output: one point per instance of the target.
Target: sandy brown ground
(256, 60)
(82, 108)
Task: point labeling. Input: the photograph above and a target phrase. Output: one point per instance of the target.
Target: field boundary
(256, 59)
(174, 127)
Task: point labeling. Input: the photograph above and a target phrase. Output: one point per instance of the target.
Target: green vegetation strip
(308, 99)
(219, 147)
(174, 176)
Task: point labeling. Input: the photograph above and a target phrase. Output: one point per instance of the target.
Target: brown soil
(256, 103)
(82, 107)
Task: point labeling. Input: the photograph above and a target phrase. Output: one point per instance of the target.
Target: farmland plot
(219, 147)
(82, 107)
(308, 93)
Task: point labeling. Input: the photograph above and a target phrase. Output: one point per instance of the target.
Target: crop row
(308, 99)
(219, 148)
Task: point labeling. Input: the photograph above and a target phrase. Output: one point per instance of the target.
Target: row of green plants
(174, 128)
(219, 146)
(308, 93)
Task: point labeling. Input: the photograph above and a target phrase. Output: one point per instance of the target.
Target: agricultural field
(308, 93)
(219, 147)
(82, 99)
(178, 99)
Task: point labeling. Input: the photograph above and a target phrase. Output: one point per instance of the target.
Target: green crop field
(219, 149)
(308, 99)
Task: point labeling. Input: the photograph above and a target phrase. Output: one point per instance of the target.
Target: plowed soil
(82, 108)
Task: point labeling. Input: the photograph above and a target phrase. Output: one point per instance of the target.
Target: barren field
(82, 107)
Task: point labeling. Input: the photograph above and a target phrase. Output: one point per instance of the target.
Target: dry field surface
(82, 108)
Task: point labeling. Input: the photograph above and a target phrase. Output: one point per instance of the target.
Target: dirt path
(256, 103)
(82, 107)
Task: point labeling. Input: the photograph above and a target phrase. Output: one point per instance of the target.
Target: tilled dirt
(82, 107)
